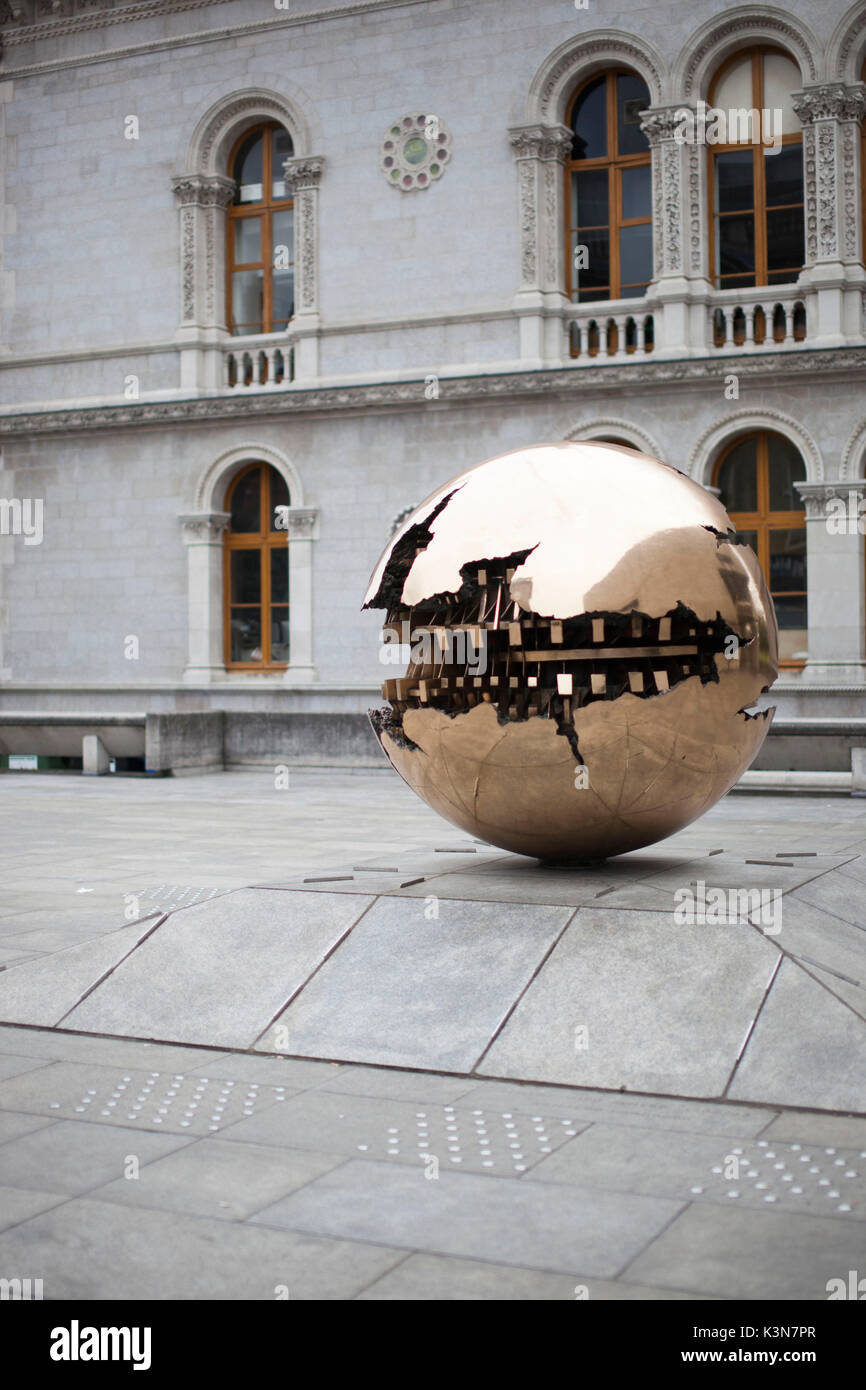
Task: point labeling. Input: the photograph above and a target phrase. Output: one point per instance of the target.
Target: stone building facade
(437, 317)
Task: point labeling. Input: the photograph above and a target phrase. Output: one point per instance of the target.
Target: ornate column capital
(204, 528)
(660, 123)
(541, 142)
(304, 171)
(203, 190)
(302, 523)
(816, 496)
(830, 101)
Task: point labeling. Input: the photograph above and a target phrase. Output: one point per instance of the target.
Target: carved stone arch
(578, 58)
(213, 483)
(203, 530)
(706, 449)
(721, 36)
(589, 430)
(230, 115)
(853, 463)
(846, 50)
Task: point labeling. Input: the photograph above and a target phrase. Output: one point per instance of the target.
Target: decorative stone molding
(204, 528)
(589, 430)
(831, 114)
(213, 483)
(706, 448)
(414, 152)
(202, 199)
(208, 147)
(817, 495)
(718, 38)
(669, 157)
(854, 452)
(577, 59)
(541, 152)
(633, 375)
(302, 523)
(847, 47)
(303, 176)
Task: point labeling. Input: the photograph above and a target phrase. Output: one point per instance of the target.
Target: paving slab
(630, 1000)
(221, 1180)
(705, 1168)
(72, 1157)
(218, 973)
(585, 1106)
(18, 1204)
(45, 990)
(839, 894)
(419, 985)
(540, 1225)
(422, 1134)
(388, 1082)
(438, 1278)
(88, 1248)
(807, 1049)
(846, 1131)
(17, 1066)
(13, 1124)
(746, 1254)
(188, 1104)
(829, 948)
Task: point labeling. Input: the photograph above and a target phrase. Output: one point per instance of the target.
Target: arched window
(755, 477)
(256, 571)
(609, 193)
(259, 258)
(755, 174)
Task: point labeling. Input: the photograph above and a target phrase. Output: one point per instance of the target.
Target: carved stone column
(541, 152)
(672, 266)
(302, 528)
(303, 175)
(835, 527)
(831, 114)
(202, 200)
(203, 537)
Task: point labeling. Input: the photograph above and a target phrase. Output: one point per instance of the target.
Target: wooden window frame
(758, 210)
(614, 164)
(763, 521)
(264, 209)
(264, 541)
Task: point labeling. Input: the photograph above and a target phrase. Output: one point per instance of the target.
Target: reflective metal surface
(585, 634)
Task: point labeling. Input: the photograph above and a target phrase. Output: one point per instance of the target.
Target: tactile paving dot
(481, 1140)
(167, 1099)
(817, 1181)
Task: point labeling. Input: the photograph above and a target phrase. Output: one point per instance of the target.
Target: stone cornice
(816, 495)
(562, 382)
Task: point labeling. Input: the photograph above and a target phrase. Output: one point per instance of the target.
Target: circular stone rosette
(587, 638)
(415, 151)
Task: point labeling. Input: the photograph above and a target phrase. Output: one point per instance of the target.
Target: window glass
(632, 97)
(248, 169)
(635, 258)
(734, 180)
(589, 122)
(636, 191)
(279, 492)
(783, 172)
(248, 240)
(786, 467)
(738, 477)
(247, 301)
(732, 91)
(781, 79)
(280, 574)
(590, 198)
(281, 151)
(245, 505)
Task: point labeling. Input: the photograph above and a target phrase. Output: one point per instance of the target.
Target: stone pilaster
(835, 527)
(202, 200)
(541, 152)
(203, 538)
(303, 176)
(831, 113)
